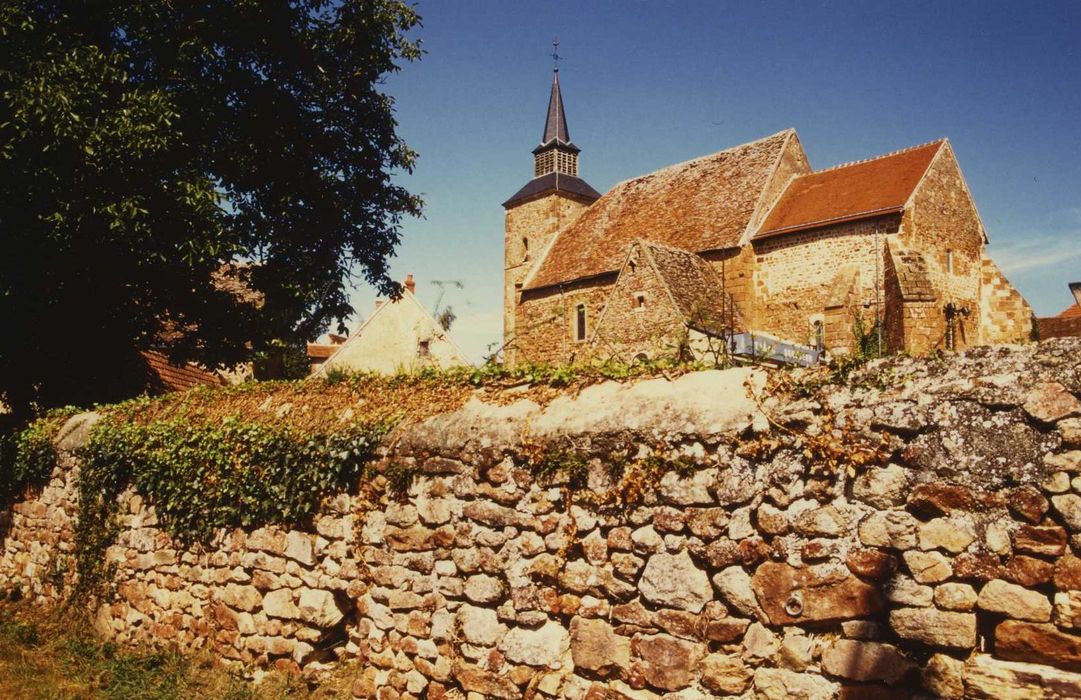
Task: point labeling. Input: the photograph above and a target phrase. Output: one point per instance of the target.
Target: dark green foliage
(145, 144)
(563, 462)
(494, 374)
(399, 479)
(868, 343)
(28, 456)
(201, 478)
(281, 360)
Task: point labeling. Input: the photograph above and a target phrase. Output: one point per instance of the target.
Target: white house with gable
(399, 336)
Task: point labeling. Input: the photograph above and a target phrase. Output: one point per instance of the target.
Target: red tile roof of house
(703, 204)
(850, 192)
(163, 376)
(1074, 311)
(318, 350)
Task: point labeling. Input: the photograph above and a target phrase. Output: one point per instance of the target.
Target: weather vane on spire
(555, 53)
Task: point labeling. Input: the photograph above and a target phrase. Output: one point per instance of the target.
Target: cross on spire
(555, 54)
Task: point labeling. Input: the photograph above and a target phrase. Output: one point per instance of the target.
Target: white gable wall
(390, 341)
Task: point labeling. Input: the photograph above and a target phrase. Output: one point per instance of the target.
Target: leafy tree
(147, 148)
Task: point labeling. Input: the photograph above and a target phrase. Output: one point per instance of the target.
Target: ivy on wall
(28, 456)
(205, 477)
(265, 453)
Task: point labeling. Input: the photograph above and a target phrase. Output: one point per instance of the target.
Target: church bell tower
(543, 207)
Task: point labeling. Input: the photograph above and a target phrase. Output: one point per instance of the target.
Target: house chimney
(410, 284)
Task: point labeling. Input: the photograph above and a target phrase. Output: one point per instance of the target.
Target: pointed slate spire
(555, 160)
(555, 125)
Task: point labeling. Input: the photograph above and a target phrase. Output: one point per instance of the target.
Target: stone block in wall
(955, 596)
(544, 646)
(1051, 401)
(865, 661)
(943, 676)
(673, 580)
(737, 590)
(935, 627)
(476, 679)
(725, 673)
(894, 529)
(986, 677)
(813, 594)
(1038, 643)
(928, 567)
(1068, 506)
(870, 564)
(319, 608)
(1047, 541)
(782, 684)
(596, 647)
(1068, 610)
(666, 662)
(1014, 601)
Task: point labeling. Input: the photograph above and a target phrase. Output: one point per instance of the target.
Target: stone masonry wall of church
(546, 320)
(736, 269)
(942, 219)
(763, 559)
(795, 277)
(535, 221)
(1005, 316)
(627, 329)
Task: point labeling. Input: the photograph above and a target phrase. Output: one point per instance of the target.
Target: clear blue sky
(647, 84)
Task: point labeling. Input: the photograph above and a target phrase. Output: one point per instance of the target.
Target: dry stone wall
(749, 549)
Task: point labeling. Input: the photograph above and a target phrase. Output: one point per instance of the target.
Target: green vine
(267, 453)
(493, 374)
(28, 456)
(203, 477)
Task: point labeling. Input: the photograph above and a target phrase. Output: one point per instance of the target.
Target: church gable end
(640, 317)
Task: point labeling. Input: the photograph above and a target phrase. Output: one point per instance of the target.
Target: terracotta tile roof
(703, 204)
(164, 377)
(316, 350)
(1074, 311)
(693, 285)
(850, 192)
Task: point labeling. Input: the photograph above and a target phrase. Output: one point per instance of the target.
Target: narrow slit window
(580, 323)
(949, 261)
(639, 301)
(423, 349)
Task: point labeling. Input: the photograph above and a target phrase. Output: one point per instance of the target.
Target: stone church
(749, 245)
